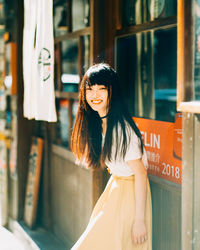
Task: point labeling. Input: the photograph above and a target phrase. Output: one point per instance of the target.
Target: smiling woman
(96, 97)
(104, 133)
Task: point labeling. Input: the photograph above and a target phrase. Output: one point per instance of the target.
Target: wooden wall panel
(187, 181)
(166, 209)
(196, 215)
(71, 198)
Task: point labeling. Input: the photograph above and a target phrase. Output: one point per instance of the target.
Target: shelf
(66, 95)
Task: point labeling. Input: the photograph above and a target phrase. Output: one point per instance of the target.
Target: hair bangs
(100, 75)
(99, 80)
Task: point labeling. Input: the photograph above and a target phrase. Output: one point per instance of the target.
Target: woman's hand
(139, 233)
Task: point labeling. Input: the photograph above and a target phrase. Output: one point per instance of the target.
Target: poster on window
(163, 143)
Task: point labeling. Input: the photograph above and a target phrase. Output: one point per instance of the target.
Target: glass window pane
(161, 8)
(86, 53)
(74, 111)
(129, 13)
(69, 70)
(139, 11)
(165, 70)
(64, 121)
(147, 73)
(127, 69)
(60, 17)
(80, 14)
(62, 127)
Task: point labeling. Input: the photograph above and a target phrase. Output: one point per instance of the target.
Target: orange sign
(163, 143)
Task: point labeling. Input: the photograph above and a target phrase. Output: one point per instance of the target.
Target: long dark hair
(86, 140)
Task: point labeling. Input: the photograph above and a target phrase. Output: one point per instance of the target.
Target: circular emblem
(44, 64)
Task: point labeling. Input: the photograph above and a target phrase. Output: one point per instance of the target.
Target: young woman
(105, 133)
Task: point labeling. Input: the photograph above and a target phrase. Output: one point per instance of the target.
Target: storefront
(139, 39)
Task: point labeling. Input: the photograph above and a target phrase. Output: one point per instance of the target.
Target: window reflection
(165, 54)
(138, 11)
(74, 111)
(64, 121)
(146, 63)
(60, 17)
(86, 53)
(161, 8)
(69, 75)
(62, 127)
(80, 14)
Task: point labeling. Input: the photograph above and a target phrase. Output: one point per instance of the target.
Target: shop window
(138, 11)
(85, 53)
(66, 112)
(74, 110)
(165, 70)
(61, 17)
(188, 79)
(80, 14)
(69, 67)
(161, 8)
(61, 136)
(70, 15)
(148, 73)
(72, 59)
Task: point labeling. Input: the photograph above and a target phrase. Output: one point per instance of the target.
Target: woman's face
(97, 98)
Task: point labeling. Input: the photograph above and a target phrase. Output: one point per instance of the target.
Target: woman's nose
(95, 93)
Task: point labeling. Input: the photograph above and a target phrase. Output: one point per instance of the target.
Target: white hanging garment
(40, 95)
(30, 8)
(45, 96)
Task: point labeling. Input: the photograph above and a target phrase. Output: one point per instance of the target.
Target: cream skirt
(111, 221)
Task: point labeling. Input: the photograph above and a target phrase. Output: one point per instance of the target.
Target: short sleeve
(133, 151)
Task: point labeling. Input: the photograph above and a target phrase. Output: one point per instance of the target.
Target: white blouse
(119, 166)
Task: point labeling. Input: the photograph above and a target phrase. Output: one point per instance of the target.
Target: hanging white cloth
(38, 61)
(30, 7)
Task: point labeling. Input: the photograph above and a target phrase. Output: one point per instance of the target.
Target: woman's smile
(97, 98)
(96, 101)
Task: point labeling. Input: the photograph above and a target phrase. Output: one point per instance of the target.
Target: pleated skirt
(113, 216)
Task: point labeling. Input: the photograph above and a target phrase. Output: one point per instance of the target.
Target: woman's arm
(139, 228)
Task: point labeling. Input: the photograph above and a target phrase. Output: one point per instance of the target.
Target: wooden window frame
(115, 29)
(74, 35)
(96, 33)
(168, 22)
(185, 40)
(94, 30)
(121, 30)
